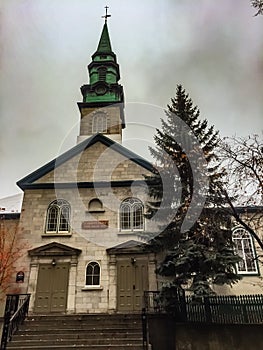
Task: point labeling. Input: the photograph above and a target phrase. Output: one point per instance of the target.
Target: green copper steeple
(104, 74)
(104, 44)
(103, 94)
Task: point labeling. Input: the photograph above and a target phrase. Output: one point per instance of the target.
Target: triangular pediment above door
(129, 247)
(54, 249)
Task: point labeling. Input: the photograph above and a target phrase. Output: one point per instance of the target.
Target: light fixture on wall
(20, 277)
(53, 262)
(133, 261)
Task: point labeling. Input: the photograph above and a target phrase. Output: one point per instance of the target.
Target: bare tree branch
(242, 158)
(258, 5)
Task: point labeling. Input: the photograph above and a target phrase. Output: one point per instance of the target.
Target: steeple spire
(104, 43)
(103, 91)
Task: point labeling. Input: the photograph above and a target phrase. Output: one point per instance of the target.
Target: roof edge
(35, 175)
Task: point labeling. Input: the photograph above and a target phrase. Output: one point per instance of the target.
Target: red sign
(95, 225)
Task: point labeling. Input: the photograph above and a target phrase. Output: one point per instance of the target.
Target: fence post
(207, 310)
(5, 332)
(244, 303)
(144, 329)
(182, 305)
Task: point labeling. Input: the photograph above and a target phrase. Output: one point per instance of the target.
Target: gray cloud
(215, 50)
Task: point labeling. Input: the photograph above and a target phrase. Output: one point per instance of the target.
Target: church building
(82, 229)
(82, 220)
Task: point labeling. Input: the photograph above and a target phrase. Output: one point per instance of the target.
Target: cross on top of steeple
(106, 15)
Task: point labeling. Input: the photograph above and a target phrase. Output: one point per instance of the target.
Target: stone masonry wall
(96, 163)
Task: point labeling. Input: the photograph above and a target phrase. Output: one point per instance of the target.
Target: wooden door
(52, 288)
(132, 281)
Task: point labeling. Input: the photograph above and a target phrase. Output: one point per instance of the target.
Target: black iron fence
(230, 309)
(16, 310)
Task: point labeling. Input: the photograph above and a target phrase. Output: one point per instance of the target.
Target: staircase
(93, 332)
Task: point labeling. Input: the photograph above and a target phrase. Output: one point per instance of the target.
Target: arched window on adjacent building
(93, 274)
(131, 215)
(58, 216)
(244, 247)
(99, 123)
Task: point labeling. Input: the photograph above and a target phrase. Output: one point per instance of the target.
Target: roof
(11, 204)
(250, 209)
(27, 182)
(104, 43)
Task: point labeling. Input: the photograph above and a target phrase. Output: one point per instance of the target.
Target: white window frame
(130, 203)
(59, 205)
(245, 248)
(93, 285)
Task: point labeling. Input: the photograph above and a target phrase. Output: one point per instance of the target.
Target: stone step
(62, 322)
(104, 332)
(41, 328)
(77, 334)
(90, 341)
(84, 347)
(82, 317)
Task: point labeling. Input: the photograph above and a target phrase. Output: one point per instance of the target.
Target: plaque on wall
(95, 225)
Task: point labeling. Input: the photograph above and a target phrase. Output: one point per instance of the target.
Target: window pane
(58, 216)
(137, 217)
(89, 280)
(245, 249)
(52, 219)
(96, 270)
(64, 219)
(93, 274)
(125, 218)
(96, 280)
(131, 215)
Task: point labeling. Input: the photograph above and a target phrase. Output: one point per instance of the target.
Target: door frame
(51, 290)
(48, 254)
(136, 286)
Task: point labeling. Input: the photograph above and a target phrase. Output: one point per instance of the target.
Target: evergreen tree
(188, 205)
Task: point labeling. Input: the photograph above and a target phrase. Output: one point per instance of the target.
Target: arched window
(58, 216)
(131, 215)
(99, 123)
(244, 247)
(93, 274)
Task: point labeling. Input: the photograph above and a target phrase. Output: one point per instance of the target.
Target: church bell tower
(102, 108)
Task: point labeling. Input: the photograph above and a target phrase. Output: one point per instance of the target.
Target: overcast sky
(213, 48)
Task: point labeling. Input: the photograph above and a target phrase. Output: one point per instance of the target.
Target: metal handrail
(14, 317)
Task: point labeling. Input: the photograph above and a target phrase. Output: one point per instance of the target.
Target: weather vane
(106, 15)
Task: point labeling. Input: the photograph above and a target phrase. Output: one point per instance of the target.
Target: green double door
(132, 281)
(52, 288)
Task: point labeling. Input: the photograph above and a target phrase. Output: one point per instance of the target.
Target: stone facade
(96, 163)
(113, 120)
(93, 242)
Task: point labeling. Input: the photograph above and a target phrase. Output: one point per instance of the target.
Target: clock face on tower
(100, 89)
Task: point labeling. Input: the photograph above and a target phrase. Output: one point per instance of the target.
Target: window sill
(128, 232)
(60, 234)
(248, 274)
(90, 288)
